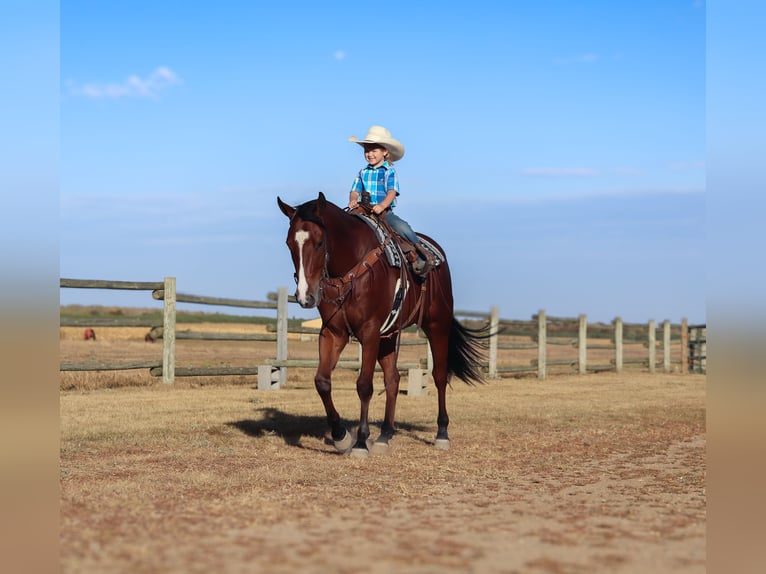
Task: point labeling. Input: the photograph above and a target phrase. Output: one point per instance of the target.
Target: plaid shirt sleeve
(357, 185)
(392, 182)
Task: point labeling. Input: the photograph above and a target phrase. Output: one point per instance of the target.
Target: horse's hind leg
(439, 340)
(387, 355)
(330, 347)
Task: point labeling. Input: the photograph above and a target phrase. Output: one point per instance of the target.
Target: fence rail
(273, 374)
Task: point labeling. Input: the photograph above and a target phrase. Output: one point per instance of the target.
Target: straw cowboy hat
(380, 135)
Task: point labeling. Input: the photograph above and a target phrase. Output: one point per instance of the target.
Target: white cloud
(568, 196)
(579, 171)
(625, 170)
(585, 58)
(340, 55)
(133, 87)
(559, 172)
(688, 165)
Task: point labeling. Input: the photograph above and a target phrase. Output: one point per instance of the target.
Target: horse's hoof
(359, 452)
(344, 444)
(380, 447)
(442, 443)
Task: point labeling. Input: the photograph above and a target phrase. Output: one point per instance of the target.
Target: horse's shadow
(292, 428)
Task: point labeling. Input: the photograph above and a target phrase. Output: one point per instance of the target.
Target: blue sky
(556, 150)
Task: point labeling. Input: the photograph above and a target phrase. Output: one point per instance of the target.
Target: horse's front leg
(330, 347)
(364, 390)
(387, 356)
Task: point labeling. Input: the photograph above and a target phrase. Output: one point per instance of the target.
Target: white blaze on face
(303, 286)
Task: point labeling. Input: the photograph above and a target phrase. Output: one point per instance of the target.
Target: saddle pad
(400, 291)
(438, 256)
(392, 253)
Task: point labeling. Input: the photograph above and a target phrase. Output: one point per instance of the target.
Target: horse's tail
(466, 352)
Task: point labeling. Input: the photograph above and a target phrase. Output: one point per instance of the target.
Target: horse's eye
(320, 243)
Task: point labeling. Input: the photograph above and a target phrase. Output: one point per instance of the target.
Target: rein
(343, 285)
(335, 289)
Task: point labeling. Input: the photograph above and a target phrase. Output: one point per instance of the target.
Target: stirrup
(423, 252)
(427, 257)
(421, 267)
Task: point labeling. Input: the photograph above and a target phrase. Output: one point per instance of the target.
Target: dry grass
(595, 473)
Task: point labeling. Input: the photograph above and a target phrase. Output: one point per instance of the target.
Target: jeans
(400, 226)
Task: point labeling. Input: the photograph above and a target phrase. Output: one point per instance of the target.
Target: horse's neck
(349, 240)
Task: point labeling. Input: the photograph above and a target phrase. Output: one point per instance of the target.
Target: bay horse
(341, 269)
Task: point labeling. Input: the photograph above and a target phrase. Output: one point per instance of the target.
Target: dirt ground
(573, 474)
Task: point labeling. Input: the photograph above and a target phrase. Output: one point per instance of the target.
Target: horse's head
(308, 248)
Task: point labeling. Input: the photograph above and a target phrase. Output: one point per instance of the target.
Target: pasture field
(573, 474)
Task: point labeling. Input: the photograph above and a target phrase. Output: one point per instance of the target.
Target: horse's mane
(307, 212)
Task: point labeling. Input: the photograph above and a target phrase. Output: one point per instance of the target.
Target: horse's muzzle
(307, 301)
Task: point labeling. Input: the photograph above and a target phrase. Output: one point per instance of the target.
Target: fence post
(666, 346)
(429, 357)
(169, 331)
(652, 345)
(582, 344)
(541, 344)
(282, 333)
(703, 352)
(417, 382)
(684, 346)
(699, 350)
(618, 350)
(494, 323)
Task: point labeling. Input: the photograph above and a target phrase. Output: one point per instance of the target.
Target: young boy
(379, 179)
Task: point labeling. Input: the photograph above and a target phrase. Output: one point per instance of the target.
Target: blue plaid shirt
(376, 181)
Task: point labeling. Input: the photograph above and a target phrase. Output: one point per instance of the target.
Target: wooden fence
(166, 291)
(697, 345)
(536, 336)
(274, 373)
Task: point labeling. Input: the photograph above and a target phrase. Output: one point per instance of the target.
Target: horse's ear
(321, 201)
(288, 210)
